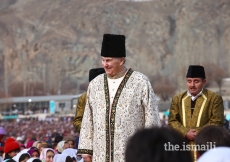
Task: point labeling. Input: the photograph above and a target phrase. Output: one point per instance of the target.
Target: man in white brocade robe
(119, 103)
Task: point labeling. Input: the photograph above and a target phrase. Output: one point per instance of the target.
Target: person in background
(2, 136)
(118, 103)
(22, 156)
(37, 144)
(57, 139)
(93, 73)
(19, 140)
(42, 146)
(195, 108)
(34, 152)
(62, 158)
(153, 145)
(69, 142)
(47, 155)
(11, 148)
(22, 147)
(219, 154)
(29, 144)
(211, 136)
(60, 147)
(70, 152)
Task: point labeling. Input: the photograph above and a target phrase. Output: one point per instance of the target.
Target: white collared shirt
(113, 87)
(194, 97)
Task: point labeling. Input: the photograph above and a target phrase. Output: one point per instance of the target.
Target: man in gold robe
(197, 107)
(82, 100)
(119, 103)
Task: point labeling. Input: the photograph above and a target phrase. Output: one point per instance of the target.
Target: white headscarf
(43, 153)
(60, 146)
(60, 158)
(217, 154)
(70, 152)
(17, 157)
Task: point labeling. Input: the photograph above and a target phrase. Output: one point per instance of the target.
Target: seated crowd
(147, 145)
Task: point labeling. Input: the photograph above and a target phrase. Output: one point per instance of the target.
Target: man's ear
(204, 81)
(122, 60)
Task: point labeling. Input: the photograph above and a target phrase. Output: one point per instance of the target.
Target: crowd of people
(48, 140)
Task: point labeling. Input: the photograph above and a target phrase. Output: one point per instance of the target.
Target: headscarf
(35, 143)
(17, 157)
(60, 146)
(43, 153)
(70, 152)
(32, 150)
(217, 154)
(29, 144)
(69, 138)
(60, 158)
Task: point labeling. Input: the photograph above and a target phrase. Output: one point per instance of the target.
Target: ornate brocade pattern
(110, 123)
(135, 109)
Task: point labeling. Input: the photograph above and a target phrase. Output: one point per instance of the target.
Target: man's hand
(191, 134)
(87, 157)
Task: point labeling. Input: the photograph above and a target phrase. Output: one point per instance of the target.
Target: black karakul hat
(93, 73)
(195, 71)
(113, 46)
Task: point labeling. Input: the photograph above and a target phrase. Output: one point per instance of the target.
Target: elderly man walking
(119, 103)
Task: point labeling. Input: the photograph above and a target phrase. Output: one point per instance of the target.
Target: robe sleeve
(79, 112)
(149, 104)
(174, 120)
(86, 135)
(217, 113)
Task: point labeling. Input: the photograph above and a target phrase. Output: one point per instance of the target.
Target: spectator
(42, 146)
(11, 148)
(2, 136)
(70, 152)
(47, 155)
(151, 145)
(219, 154)
(69, 142)
(22, 147)
(62, 158)
(19, 140)
(33, 151)
(57, 139)
(210, 137)
(29, 144)
(36, 144)
(60, 147)
(22, 156)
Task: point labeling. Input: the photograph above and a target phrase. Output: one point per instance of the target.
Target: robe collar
(194, 97)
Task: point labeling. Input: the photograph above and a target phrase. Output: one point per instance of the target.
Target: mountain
(48, 47)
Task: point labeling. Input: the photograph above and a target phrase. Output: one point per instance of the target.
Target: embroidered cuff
(85, 151)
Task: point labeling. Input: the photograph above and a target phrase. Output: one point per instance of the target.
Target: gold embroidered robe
(104, 134)
(209, 110)
(79, 112)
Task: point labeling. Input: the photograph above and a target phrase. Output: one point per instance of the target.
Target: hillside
(48, 47)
